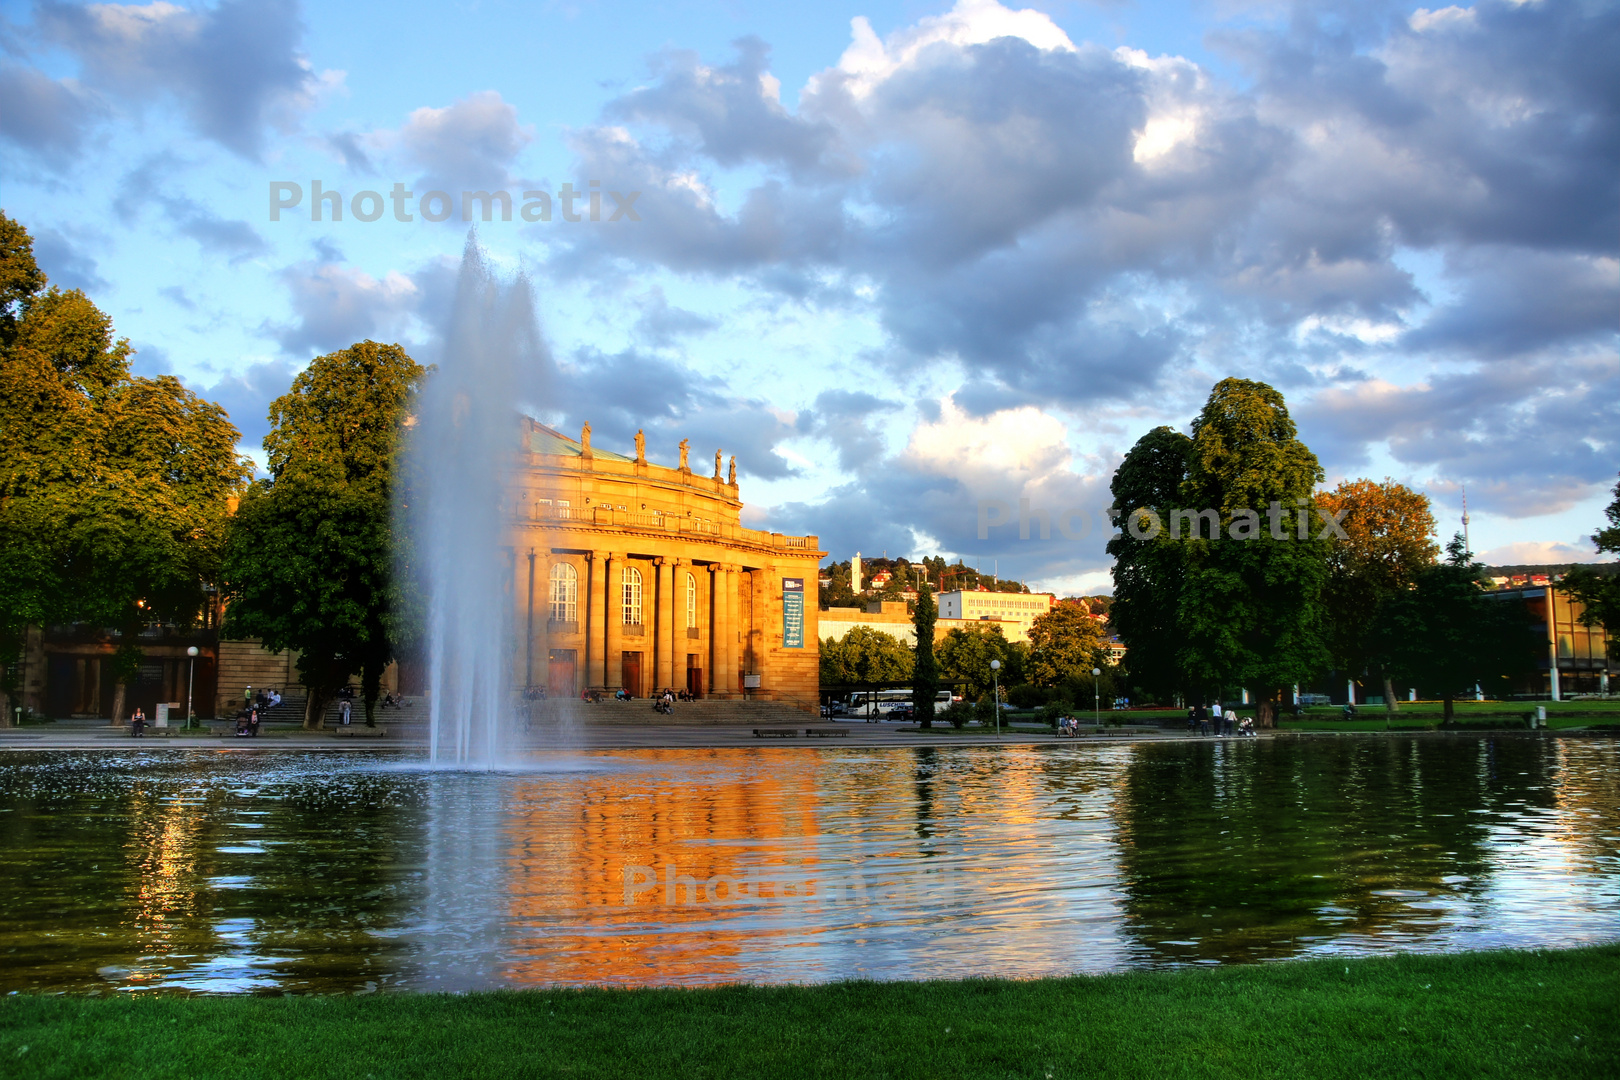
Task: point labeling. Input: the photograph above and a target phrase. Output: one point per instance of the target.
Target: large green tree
(1389, 540)
(925, 666)
(1250, 612)
(865, 657)
(312, 561)
(964, 660)
(1445, 635)
(114, 489)
(1598, 593)
(1063, 644)
(1148, 571)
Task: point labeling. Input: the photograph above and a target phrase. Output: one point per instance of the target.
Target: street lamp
(1096, 699)
(995, 689)
(191, 680)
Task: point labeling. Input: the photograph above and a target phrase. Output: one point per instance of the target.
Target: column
(613, 639)
(668, 581)
(717, 629)
(727, 600)
(595, 675)
(541, 656)
(737, 624)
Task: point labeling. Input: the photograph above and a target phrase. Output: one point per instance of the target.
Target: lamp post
(191, 680)
(995, 691)
(1096, 698)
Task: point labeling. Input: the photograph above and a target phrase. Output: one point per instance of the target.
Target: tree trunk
(5, 700)
(1446, 715)
(1390, 704)
(371, 689)
(1265, 708)
(119, 690)
(315, 709)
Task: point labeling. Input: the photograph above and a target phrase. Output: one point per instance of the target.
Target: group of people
(1068, 727)
(665, 702)
(1217, 720)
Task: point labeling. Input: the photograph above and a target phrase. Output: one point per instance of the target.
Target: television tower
(1469, 547)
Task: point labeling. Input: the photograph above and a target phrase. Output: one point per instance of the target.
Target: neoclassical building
(635, 575)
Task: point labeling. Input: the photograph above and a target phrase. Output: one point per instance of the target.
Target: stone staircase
(705, 711)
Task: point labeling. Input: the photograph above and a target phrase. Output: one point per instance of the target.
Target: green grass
(1472, 1015)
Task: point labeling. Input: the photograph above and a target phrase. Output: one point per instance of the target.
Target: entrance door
(632, 674)
(560, 673)
(694, 676)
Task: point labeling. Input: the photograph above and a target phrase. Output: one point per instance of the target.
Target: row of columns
(601, 620)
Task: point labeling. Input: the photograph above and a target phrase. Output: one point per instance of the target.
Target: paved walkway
(412, 736)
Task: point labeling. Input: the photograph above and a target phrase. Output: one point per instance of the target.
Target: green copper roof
(543, 440)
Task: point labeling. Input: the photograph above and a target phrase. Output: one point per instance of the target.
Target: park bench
(825, 732)
(776, 733)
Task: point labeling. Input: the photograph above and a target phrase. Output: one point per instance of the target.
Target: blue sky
(900, 259)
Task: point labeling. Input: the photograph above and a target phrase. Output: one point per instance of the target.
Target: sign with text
(793, 613)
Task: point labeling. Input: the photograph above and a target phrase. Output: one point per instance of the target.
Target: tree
(1148, 572)
(1598, 593)
(865, 657)
(114, 489)
(1250, 610)
(924, 668)
(1390, 529)
(1445, 635)
(965, 655)
(311, 561)
(1063, 644)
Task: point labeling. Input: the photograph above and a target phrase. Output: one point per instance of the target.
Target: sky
(909, 262)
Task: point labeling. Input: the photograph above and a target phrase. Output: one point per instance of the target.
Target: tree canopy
(865, 657)
(964, 659)
(925, 667)
(1600, 594)
(1148, 572)
(1445, 635)
(1063, 644)
(114, 489)
(312, 558)
(1389, 531)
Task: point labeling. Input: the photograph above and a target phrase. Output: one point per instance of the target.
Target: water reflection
(274, 871)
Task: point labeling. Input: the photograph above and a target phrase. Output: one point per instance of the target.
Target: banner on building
(793, 613)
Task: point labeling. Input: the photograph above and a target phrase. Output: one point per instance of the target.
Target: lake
(274, 871)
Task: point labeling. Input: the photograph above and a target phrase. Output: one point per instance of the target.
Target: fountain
(462, 448)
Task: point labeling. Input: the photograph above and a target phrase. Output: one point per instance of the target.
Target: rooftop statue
(731, 477)
(641, 448)
(686, 446)
(585, 439)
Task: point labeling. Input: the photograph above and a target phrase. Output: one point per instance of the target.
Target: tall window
(632, 596)
(564, 593)
(691, 600)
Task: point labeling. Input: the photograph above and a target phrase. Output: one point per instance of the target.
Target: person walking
(1192, 719)
(1203, 719)
(344, 706)
(1220, 719)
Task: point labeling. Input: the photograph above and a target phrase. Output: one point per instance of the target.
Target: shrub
(1051, 712)
(958, 714)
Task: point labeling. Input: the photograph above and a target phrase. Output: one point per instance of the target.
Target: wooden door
(694, 676)
(560, 673)
(632, 674)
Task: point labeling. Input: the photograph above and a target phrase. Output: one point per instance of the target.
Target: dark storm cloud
(1526, 437)
(246, 397)
(64, 263)
(335, 306)
(1517, 301)
(731, 114)
(150, 185)
(660, 325)
(234, 69)
(619, 393)
(42, 115)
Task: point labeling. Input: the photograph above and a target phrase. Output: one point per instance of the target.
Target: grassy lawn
(1473, 1015)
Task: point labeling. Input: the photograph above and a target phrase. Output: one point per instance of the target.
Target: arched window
(564, 593)
(691, 600)
(632, 596)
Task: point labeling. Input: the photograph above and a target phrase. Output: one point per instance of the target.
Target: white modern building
(1015, 611)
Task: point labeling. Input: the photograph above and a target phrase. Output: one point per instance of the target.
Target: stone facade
(633, 575)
